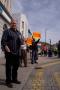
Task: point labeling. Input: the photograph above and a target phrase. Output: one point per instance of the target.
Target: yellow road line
(57, 78)
(37, 80)
(50, 64)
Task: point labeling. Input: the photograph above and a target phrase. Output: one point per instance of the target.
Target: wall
(7, 4)
(22, 23)
(2, 22)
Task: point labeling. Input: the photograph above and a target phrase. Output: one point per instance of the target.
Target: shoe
(36, 62)
(17, 82)
(32, 63)
(9, 85)
(20, 65)
(25, 66)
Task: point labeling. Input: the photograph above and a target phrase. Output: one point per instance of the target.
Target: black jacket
(34, 44)
(12, 39)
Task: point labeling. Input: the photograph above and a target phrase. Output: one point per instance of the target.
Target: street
(45, 77)
(42, 76)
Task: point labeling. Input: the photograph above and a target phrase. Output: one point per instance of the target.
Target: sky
(43, 16)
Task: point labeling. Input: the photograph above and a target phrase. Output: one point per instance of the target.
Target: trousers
(23, 57)
(12, 64)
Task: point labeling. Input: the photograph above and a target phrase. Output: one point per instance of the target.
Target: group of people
(15, 49)
(50, 50)
(54, 51)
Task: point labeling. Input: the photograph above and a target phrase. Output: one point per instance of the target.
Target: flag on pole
(29, 32)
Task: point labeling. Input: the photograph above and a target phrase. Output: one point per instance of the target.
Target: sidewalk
(23, 72)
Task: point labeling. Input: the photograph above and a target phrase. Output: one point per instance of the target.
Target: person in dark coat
(11, 42)
(34, 51)
(59, 49)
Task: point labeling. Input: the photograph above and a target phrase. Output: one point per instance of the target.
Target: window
(23, 24)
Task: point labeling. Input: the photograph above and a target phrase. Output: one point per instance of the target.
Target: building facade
(5, 18)
(7, 4)
(22, 23)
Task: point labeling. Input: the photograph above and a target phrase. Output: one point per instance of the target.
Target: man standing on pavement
(11, 42)
(34, 51)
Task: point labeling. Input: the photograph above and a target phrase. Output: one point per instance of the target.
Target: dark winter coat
(12, 39)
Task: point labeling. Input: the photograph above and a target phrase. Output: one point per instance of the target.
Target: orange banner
(36, 35)
(29, 41)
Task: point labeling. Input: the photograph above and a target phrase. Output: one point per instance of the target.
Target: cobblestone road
(45, 78)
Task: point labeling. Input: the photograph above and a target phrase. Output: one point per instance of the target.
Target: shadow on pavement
(54, 58)
(38, 67)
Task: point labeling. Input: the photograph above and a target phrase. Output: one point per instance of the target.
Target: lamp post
(50, 43)
(45, 35)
